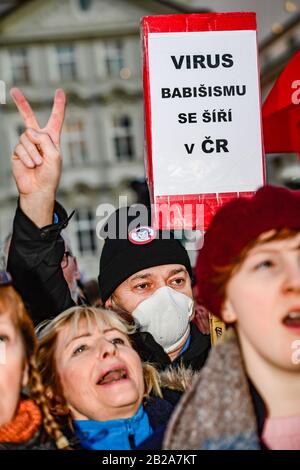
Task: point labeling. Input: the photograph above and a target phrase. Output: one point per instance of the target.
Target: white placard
(220, 156)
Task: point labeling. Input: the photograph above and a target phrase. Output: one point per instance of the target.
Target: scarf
(24, 425)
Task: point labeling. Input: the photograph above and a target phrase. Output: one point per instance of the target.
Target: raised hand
(36, 160)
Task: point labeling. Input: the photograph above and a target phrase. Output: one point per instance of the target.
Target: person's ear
(228, 313)
(25, 377)
(109, 304)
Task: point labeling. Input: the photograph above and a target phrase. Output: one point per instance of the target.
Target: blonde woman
(96, 380)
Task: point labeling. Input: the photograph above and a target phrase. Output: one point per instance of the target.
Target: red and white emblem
(142, 235)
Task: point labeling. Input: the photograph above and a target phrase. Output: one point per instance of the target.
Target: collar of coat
(221, 410)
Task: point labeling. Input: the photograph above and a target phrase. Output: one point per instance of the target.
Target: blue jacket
(129, 433)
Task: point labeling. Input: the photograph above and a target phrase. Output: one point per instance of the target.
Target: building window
(66, 62)
(114, 59)
(20, 66)
(76, 143)
(123, 138)
(85, 5)
(85, 231)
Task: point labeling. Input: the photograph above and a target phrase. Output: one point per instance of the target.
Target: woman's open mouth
(292, 319)
(113, 376)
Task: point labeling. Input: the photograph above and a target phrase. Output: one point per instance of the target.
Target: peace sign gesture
(54, 125)
(36, 160)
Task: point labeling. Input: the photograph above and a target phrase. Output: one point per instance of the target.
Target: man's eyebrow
(177, 271)
(141, 276)
(149, 275)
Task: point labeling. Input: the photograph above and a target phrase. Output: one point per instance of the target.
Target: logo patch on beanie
(142, 235)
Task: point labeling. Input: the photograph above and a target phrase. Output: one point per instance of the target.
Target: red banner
(281, 111)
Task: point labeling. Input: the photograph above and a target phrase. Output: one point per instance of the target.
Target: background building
(91, 48)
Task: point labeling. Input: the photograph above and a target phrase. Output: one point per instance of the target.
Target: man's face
(144, 283)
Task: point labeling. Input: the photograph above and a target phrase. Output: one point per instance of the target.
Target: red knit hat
(234, 226)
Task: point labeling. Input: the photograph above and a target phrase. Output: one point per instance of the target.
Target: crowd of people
(130, 367)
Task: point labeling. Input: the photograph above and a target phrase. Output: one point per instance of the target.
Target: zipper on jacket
(131, 441)
(131, 436)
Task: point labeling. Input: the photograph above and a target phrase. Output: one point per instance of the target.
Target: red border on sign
(199, 22)
(234, 21)
(169, 210)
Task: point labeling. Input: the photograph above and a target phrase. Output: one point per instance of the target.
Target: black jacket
(194, 357)
(34, 262)
(159, 412)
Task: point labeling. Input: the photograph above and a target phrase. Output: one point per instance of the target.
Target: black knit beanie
(121, 257)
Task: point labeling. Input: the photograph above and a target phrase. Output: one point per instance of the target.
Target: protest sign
(202, 114)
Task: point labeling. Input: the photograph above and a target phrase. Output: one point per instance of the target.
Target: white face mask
(166, 315)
